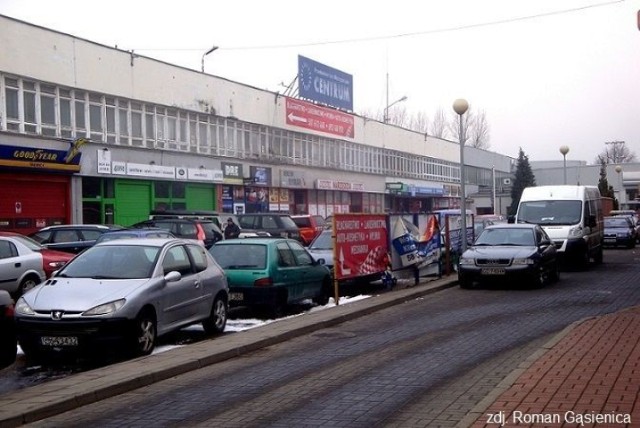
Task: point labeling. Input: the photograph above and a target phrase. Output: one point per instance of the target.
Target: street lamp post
(386, 109)
(564, 150)
(618, 170)
(460, 106)
(213, 48)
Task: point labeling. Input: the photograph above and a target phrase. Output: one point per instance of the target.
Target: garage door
(133, 202)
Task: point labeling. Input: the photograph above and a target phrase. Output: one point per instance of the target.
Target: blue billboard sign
(323, 84)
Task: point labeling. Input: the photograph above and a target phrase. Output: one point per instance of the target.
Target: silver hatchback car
(125, 292)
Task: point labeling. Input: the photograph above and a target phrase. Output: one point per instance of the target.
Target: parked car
(275, 224)
(8, 342)
(271, 273)
(71, 238)
(520, 253)
(135, 233)
(123, 293)
(634, 219)
(24, 263)
(619, 231)
(205, 231)
(310, 226)
(219, 218)
(322, 248)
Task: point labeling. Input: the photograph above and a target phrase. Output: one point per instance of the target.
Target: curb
(58, 396)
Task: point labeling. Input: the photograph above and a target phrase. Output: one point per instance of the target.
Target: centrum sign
(310, 116)
(361, 245)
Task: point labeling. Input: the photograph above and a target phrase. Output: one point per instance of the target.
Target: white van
(572, 217)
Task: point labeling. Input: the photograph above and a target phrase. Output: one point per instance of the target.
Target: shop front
(36, 186)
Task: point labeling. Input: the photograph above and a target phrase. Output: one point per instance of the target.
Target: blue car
(619, 230)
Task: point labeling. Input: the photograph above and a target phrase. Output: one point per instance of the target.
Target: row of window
(39, 108)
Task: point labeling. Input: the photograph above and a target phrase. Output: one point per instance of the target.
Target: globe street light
(460, 106)
(564, 150)
(618, 169)
(213, 48)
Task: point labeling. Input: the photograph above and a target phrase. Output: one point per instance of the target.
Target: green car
(271, 272)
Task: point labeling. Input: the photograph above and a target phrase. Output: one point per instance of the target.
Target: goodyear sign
(42, 159)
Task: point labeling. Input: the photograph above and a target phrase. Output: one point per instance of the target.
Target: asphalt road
(426, 362)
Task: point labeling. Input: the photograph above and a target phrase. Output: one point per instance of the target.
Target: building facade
(94, 134)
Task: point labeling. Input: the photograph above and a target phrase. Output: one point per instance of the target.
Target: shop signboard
(323, 84)
(317, 118)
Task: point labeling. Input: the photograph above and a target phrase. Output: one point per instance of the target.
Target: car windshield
(322, 242)
(240, 256)
(113, 262)
(550, 212)
(29, 243)
(616, 222)
(506, 236)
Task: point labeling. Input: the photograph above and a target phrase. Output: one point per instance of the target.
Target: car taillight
(263, 282)
(201, 235)
(8, 311)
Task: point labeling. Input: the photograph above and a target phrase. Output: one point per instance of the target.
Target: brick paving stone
(595, 368)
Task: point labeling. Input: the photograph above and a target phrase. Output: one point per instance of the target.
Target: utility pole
(617, 155)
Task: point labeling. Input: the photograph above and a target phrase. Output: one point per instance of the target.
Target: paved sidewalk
(588, 375)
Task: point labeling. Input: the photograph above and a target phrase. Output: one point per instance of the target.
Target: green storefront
(126, 201)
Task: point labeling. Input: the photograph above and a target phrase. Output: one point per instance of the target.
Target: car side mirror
(592, 221)
(511, 219)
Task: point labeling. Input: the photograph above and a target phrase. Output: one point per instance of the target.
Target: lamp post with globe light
(618, 170)
(564, 150)
(460, 106)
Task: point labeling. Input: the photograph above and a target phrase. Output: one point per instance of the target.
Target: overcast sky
(546, 73)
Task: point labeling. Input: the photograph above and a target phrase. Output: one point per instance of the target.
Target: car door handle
(18, 264)
(196, 284)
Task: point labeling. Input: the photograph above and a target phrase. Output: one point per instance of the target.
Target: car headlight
(105, 309)
(521, 261)
(575, 232)
(466, 261)
(23, 308)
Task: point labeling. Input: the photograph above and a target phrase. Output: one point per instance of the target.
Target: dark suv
(275, 224)
(71, 238)
(205, 231)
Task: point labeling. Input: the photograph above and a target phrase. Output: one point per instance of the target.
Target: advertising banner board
(361, 245)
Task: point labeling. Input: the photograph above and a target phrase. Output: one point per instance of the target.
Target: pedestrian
(232, 230)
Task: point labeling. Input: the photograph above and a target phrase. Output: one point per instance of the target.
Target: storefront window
(91, 187)
(162, 189)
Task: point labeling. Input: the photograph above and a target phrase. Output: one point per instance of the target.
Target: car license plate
(59, 341)
(492, 271)
(236, 296)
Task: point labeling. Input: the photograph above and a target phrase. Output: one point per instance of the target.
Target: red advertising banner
(361, 245)
(317, 118)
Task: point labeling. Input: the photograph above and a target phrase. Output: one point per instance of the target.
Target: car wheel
(144, 334)
(8, 350)
(465, 282)
(554, 274)
(323, 298)
(217, 320)
(599, 256)
(27, 284)
(540, 279)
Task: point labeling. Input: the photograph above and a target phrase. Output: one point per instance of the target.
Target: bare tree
(419, 122)
(615, 152)
(479, 132)
(438, 127)
(467, 123)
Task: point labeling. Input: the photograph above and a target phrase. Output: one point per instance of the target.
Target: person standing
(232, 230)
